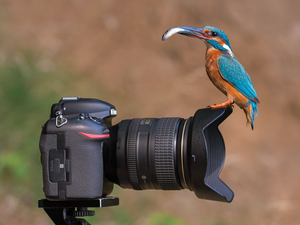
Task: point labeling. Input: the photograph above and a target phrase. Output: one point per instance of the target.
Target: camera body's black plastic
(71, 149)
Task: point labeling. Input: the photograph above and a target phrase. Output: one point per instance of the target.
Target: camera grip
(72, 162)
(86, 166)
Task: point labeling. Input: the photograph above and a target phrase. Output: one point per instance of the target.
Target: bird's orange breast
(212, 56)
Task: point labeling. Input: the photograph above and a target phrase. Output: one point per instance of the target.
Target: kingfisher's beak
(188, 31)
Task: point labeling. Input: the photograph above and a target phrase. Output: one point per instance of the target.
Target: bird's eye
(214, 34)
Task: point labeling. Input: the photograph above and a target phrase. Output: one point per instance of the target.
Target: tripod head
(65, 212)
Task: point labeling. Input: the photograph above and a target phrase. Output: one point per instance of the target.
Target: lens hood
(207, 153)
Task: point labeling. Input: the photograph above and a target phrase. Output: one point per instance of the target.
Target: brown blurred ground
(117, 44)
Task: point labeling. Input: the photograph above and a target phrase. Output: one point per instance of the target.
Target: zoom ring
(165, 138)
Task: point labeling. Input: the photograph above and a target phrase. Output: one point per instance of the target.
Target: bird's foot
(221, 105)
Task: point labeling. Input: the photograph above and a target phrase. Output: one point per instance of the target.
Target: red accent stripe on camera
(94, 136)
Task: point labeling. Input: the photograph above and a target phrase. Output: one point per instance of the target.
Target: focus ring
(165, 142)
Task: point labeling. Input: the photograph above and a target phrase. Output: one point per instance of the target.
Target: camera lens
(149, 153)
(170, 154)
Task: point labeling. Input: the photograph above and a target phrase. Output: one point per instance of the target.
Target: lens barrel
(150, 151)
(169, 154)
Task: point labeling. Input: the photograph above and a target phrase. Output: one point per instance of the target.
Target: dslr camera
(83, 155)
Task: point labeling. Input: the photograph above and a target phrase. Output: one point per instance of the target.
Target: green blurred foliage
(122, 216)
(163, 219)
(27, 90)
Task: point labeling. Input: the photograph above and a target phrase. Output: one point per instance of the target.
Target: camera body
(71, 149)
(83, 155)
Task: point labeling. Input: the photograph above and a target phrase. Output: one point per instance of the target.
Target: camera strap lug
(60, 120)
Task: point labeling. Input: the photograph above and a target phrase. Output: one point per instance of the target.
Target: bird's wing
(236, 75)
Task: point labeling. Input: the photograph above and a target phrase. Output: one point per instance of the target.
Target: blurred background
(112, 50)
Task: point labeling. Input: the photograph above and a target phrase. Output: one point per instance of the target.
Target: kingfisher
(223, 69)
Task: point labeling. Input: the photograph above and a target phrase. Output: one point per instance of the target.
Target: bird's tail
(251, 112)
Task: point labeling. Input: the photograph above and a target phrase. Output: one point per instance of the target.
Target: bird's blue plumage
(236, 75)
